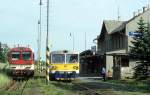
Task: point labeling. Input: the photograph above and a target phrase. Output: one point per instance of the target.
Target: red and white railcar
(21, 61)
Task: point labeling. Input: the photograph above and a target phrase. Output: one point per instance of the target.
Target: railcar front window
(58, 58)
(15, 55)
(26, 55)
(71, 58)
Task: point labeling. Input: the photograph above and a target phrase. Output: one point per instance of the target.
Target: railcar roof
(21, 48)
(64, 51)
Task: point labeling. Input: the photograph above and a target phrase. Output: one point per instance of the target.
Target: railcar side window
(15, 55)
(26, 55)
(58, 58)
(71, 58)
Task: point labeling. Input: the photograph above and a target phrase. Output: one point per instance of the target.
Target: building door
(116, 67)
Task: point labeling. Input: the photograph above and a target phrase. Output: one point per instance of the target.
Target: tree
(3, 53)
(137, 44)
(140, 49)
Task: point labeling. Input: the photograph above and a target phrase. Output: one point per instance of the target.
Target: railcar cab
(21, 61)
(64, 57)
(64, 64)
(21, 55)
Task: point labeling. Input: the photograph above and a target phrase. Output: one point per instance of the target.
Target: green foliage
(141, 49)
(3, 54)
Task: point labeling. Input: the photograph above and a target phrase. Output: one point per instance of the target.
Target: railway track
(79, 88)
(17, 85)
(24, 86)
(88, 91)
(10, 85)
(90, 87)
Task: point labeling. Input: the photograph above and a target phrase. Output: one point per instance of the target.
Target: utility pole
(47, 46)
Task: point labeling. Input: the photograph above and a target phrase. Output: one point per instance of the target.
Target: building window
(125, 61)
(123, 41)
(119, 41)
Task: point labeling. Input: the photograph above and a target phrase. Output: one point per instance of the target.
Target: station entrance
(91, 65)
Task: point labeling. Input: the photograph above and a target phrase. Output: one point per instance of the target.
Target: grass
(38, 87)
(8, 93)
(4, 80)
(3, 65)
(55, 88)
(131, 87)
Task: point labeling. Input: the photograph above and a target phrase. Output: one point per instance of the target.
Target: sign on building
(133, 33)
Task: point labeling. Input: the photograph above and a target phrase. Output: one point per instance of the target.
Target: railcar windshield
(15, 55)
(26, 55)
(58, 58)
(71, 58)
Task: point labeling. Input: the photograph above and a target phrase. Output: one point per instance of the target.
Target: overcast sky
(18, 21)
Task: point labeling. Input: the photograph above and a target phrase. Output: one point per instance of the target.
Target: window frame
(15, 53)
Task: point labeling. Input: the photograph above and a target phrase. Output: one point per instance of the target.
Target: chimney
(144, 9)
(134, 14)
(148, 6)
(139, 11)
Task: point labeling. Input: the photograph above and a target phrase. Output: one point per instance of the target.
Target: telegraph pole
(39, 39)
(47, 46)
(40, 33)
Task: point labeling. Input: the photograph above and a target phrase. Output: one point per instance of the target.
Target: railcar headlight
(75, 67)
(54, 67)
(28, 67)
(13, 67)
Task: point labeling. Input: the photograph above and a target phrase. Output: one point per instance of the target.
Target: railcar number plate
(65, 66)
(21, 67)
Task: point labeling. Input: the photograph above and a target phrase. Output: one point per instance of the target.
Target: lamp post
(73, 40)
(85, 40)
(72, 37)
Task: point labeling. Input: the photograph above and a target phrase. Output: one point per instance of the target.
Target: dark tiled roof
(111, 25)
(126, 22)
